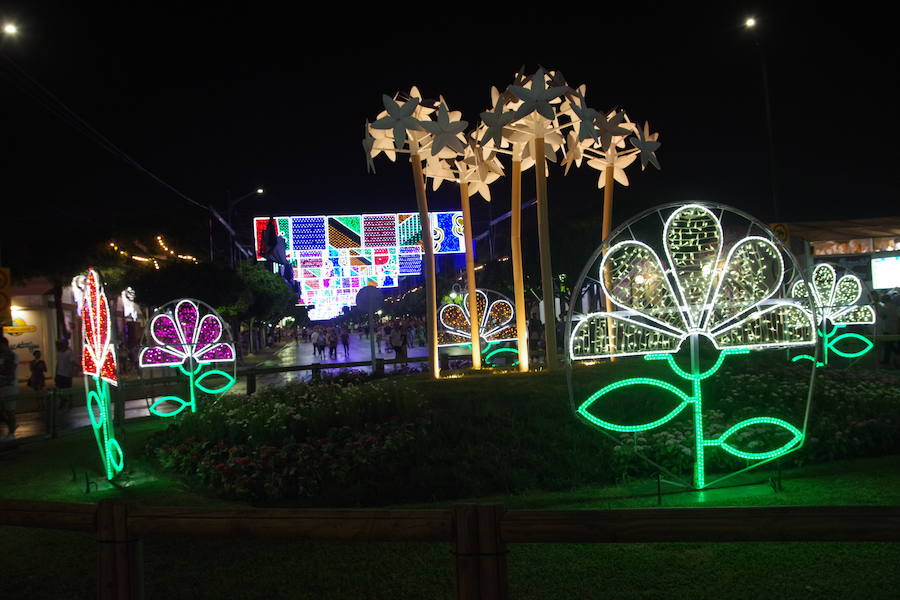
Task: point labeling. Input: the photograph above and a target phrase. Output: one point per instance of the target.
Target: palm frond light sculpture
(535, 119)
(407, 125)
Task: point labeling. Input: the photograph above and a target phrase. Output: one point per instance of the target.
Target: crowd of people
(397, 336)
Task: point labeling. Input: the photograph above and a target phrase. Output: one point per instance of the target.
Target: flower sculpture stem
(470, 273)
(544, 247)
(111, 453)
(515, 238)
(430, 283)
(695, 400)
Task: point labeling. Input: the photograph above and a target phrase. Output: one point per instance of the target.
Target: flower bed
(379, 442)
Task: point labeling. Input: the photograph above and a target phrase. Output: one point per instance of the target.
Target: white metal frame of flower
(733, 302)
(835, 300)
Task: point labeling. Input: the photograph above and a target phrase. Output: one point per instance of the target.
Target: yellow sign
(19, 326)
(781, 231)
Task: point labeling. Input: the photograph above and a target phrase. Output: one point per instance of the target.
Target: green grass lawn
(55, 564)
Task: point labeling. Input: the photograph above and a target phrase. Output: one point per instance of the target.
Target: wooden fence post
(316, 372)
(379, 367)
(480, 552)
(251, 383)
(119, 554)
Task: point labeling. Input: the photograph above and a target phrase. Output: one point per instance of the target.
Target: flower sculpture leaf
(835, 301)
(180, 337)
(696, 293)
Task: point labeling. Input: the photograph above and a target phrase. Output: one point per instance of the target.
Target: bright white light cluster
(732, 301)
(835, 298)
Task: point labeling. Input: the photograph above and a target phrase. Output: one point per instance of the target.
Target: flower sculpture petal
(98, 356)
(835, 299)
(662, 305)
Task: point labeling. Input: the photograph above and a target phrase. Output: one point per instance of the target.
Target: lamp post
(231, 204)
(750, 25)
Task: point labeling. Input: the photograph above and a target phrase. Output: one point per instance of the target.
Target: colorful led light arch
(98, 363)
(333, 257)
(183, 336)
(835, 300)
(733, 303)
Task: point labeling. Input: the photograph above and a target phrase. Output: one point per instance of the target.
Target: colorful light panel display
(733, 302)
(335, 256)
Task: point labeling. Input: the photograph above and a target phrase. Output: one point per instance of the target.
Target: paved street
(32, 415)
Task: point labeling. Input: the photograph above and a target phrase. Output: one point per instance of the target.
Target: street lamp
(750, 25)
(10, 29)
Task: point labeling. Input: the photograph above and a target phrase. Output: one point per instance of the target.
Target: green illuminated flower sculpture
(835, 301)
(712, 289)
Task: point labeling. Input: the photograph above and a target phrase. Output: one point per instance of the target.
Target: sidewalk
(31, 410)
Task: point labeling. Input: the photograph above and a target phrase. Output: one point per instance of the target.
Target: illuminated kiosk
(189, 335)
(694, 286)
(333, 257)
(841, 302)
(98, 362)
(495, 319)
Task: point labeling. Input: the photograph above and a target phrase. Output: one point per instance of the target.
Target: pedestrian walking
(9, 387)
(345, 342)
(38, 368)
(396, 342)
(332, 344)
(65, 371)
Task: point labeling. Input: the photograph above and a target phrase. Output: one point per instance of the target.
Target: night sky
(225, 100)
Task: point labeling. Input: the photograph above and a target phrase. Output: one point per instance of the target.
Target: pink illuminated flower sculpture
(188, 335)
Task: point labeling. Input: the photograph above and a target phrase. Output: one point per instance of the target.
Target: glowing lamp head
(260, 191)
(750, 23)
(10, 29)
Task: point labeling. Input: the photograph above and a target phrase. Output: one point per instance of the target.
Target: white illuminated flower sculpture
(702, 289)
(836, 307)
